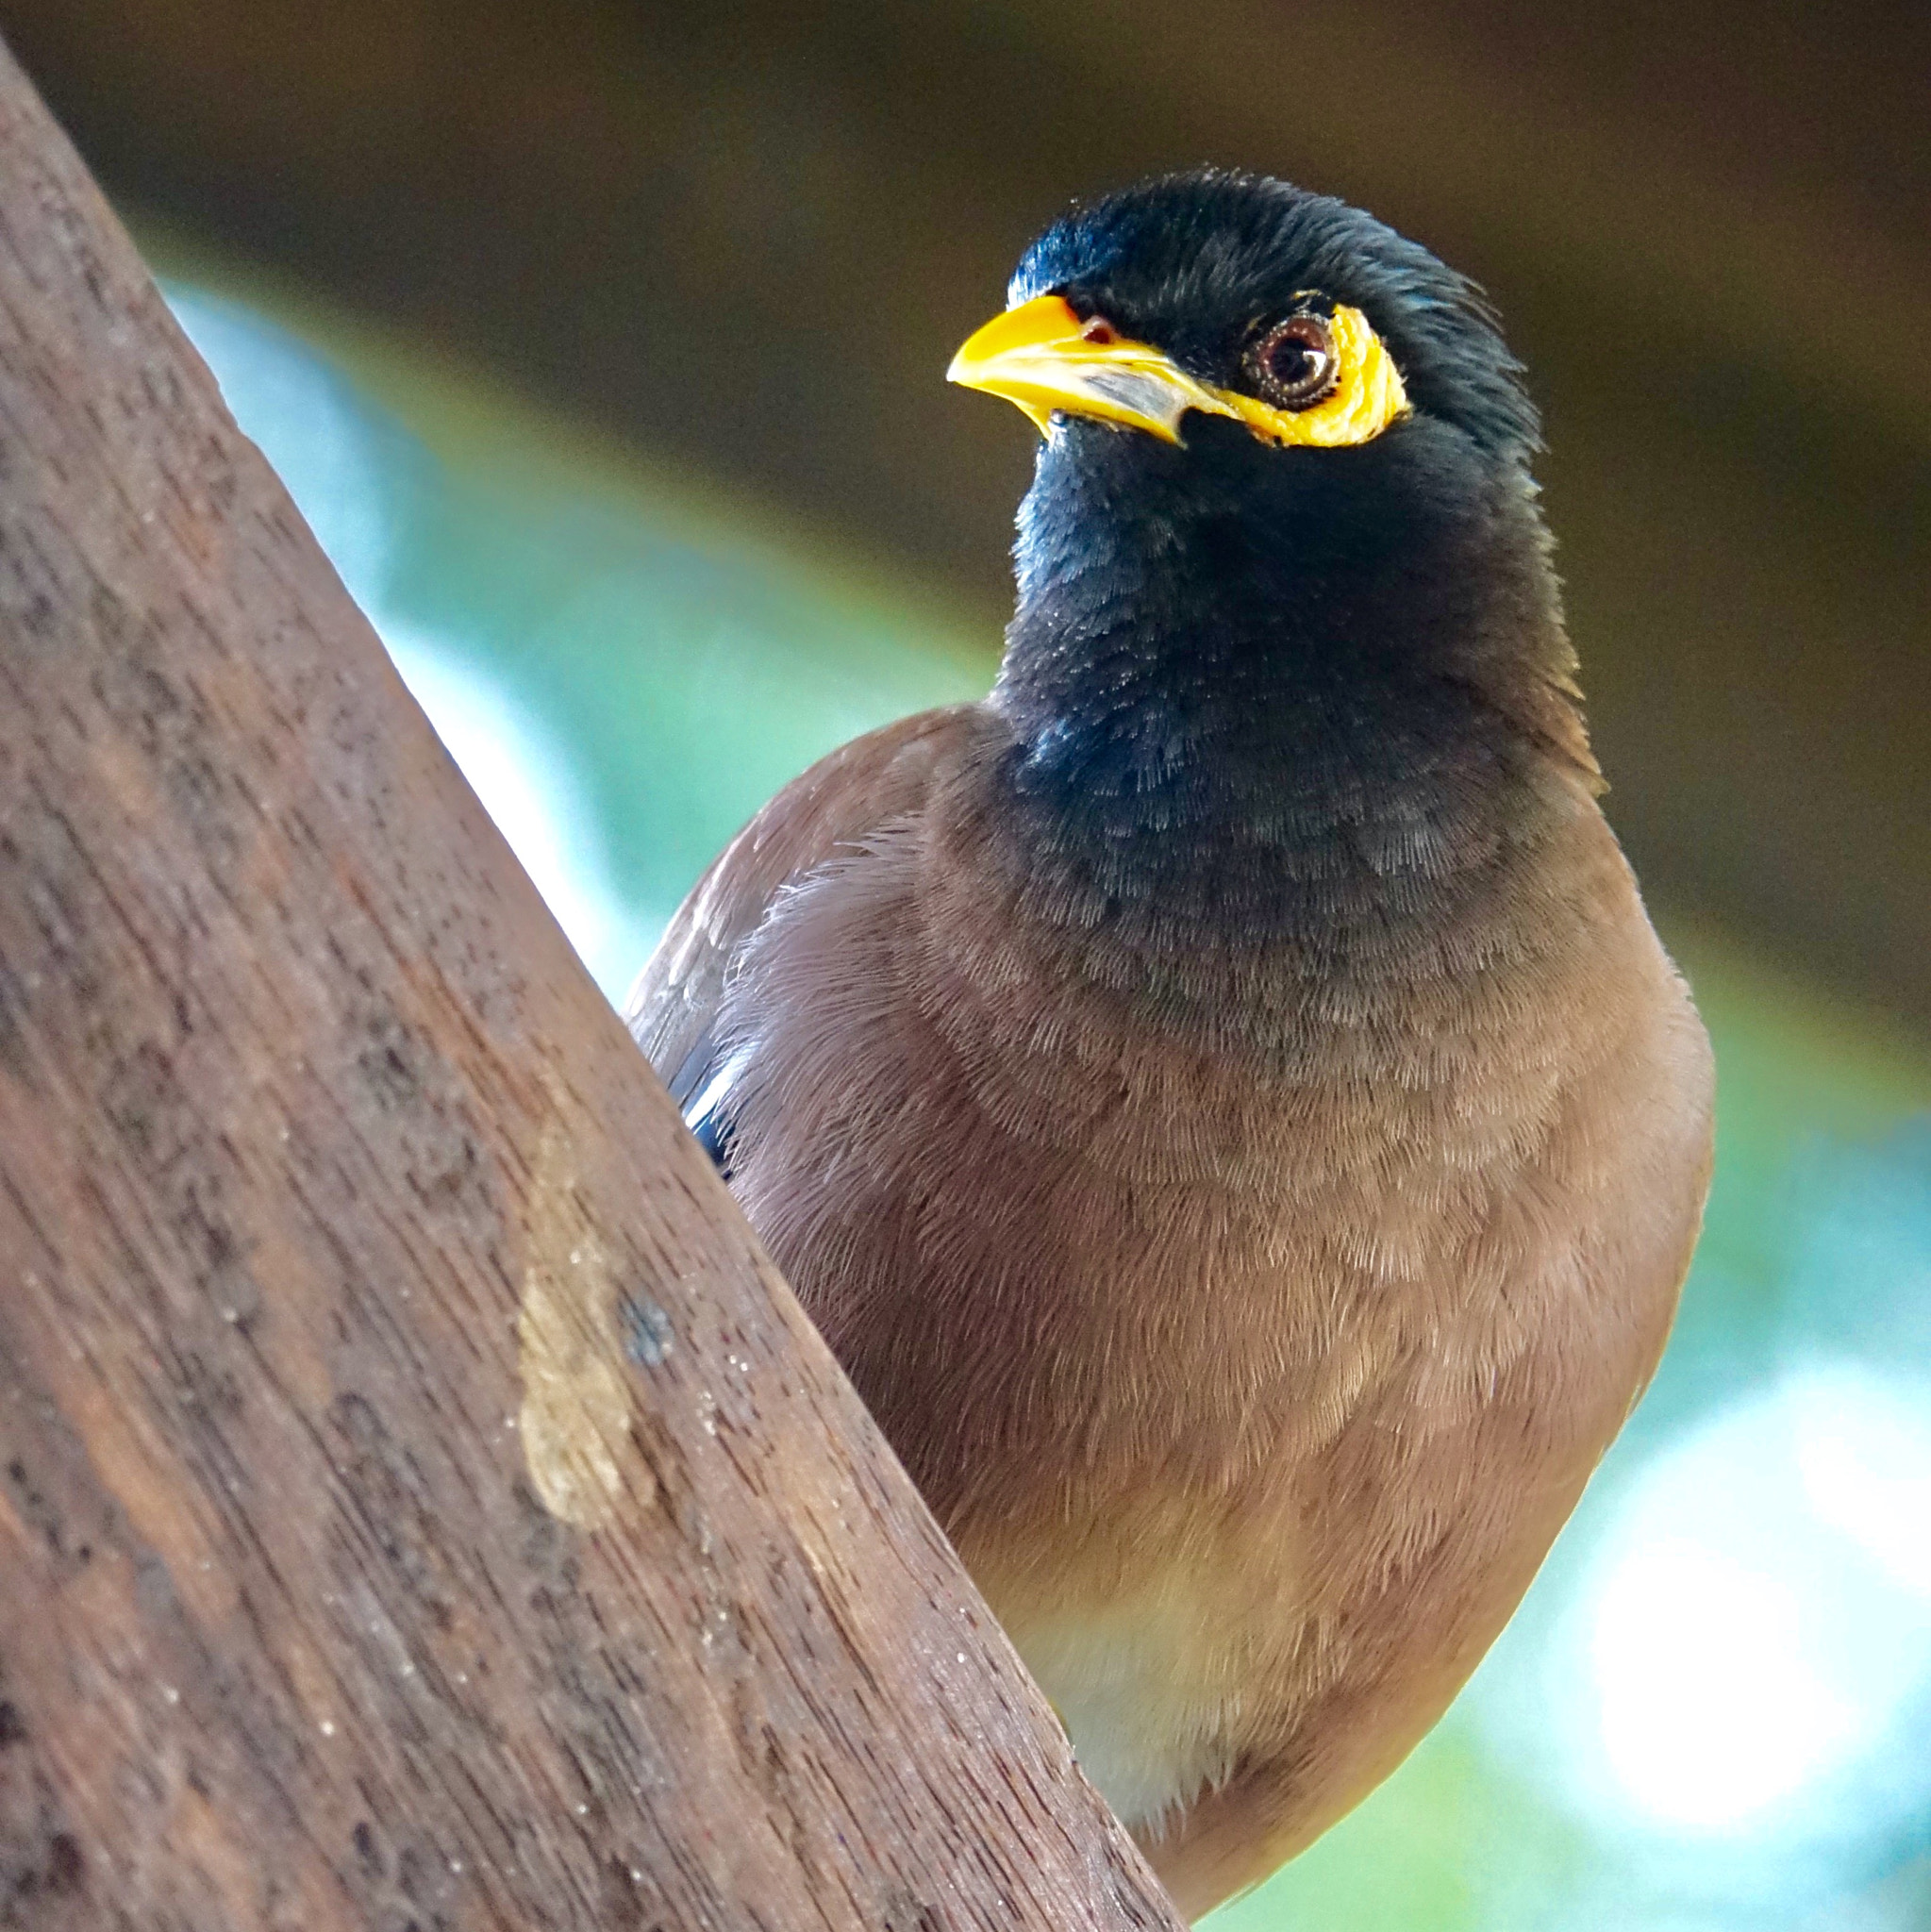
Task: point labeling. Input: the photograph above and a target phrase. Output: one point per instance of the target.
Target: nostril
(1099, 330)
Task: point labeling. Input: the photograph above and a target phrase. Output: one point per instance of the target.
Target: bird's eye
(1295, 364)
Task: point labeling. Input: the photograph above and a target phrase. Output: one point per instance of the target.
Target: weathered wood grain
(421, 1504)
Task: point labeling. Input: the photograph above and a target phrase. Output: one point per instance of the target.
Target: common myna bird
(1222, 1098)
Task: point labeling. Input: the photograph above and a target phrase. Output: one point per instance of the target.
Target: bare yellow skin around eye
(1042, 357)
(1366, 398)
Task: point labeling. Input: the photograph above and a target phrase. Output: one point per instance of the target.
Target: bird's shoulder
(866, 785)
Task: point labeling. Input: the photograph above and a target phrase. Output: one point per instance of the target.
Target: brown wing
(840, 800)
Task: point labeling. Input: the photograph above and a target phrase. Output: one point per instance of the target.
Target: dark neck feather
(1244, 723)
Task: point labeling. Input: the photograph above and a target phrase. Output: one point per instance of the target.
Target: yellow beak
(1041, 356)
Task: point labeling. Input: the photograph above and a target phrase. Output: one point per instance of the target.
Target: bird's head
(1303, 321)
(1276, 434)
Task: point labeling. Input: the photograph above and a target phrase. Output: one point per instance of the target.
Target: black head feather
(1196, 262)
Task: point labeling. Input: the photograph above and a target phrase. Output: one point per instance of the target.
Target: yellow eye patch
(1041, 356)
(1367, 395)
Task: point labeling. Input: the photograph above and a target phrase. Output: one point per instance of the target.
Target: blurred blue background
(1714, 1712)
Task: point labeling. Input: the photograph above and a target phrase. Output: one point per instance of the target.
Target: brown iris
(1295, 364)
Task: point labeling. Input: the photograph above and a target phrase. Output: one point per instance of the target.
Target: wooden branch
(421, 1504)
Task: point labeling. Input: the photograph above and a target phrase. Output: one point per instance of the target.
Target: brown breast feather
(1263, 1329)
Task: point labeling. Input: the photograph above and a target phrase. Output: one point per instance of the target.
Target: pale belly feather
(1149, 1692)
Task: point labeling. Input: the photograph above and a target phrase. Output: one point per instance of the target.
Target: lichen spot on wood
(575, 1416)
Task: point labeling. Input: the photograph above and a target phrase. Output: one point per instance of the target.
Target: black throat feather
(1267, 696)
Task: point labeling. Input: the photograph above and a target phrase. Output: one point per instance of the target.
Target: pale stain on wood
(576, 1417)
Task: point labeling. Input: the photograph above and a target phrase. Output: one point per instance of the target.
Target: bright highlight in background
(1711, 1709)
(1757, 1618)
